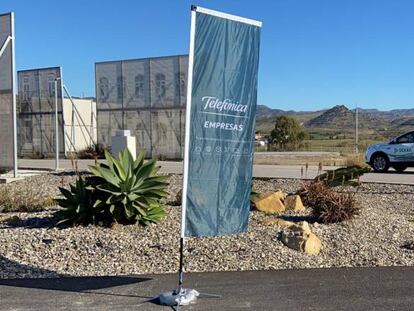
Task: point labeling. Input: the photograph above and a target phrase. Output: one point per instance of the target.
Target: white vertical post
(14, 92)
(188, 122)
(186, 147)
(356, 129)
(56, 126)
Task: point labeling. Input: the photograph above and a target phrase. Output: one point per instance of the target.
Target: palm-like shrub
(77, 205)
(130, 190)
(123, 191)
(344, 176)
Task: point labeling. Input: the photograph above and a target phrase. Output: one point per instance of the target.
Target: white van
(398, 153)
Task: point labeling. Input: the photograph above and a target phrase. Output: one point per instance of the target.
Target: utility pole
(356, 130)
(56, 125)
(14, 92)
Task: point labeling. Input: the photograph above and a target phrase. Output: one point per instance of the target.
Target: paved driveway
(270, 171)
(314, 289)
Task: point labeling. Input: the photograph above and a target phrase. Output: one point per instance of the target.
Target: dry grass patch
(28, 199)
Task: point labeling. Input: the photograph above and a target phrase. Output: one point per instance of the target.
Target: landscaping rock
(32, 249)
(272, 221)
(282, 195)
(294, 203)
(270, 203)
(409, 245)
(178, 198)
(299, 237)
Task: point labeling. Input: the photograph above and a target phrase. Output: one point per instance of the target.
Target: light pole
(56, 125)
(356, 130)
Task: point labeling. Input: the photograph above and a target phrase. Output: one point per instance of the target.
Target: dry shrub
(356, 159)
(91, 152)
(328, 206)
(24, 200)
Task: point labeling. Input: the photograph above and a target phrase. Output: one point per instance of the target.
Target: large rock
(299, 237)
(270, 203)
(294, 203)
(282, 195)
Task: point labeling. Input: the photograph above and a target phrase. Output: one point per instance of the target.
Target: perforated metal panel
(136, 84)
(108, 123)
(37, 112)
(6, 94)
(146, 96)
(139, 122)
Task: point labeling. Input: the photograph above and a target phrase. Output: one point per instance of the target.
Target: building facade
(6, 93)
(36, 116)
(79, 124)
(146, 96)
(36, 112)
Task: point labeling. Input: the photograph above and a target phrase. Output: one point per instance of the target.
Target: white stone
(122, 140)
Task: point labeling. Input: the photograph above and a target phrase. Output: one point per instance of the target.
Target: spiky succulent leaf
(77, 206)
(128, 188)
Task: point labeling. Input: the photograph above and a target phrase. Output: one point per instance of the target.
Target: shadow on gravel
(298, 218)
(71, 173)
(45, 222)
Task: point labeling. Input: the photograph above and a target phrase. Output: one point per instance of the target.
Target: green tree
(288, 133)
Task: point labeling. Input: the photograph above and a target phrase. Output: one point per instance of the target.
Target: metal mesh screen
(139, 122)
(136, 84)
(6, 94)
(108, 122)
(147, 97)
(37, 112)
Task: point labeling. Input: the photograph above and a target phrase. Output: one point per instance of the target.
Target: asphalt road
(313, 289)
(264, 171)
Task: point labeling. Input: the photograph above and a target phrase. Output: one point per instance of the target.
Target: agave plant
(131, 190)
(253, 195)
(77, 204)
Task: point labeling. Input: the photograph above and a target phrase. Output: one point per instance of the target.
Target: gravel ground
(28, 248)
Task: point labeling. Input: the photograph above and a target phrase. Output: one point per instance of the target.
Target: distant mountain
(339, 118)
(265, 117)
(264, 111)
(390, 115)
(403, 122)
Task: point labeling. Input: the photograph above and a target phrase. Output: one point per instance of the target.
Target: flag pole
(176, 297)
(187, 144)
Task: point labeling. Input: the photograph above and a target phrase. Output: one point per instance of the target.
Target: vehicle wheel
(380, 163)
(400, 168)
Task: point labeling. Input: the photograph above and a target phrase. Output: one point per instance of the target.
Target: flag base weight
(182, 297)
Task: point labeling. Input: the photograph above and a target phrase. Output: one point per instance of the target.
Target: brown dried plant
(328, 205)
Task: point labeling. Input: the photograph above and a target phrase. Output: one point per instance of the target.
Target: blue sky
(314, 54)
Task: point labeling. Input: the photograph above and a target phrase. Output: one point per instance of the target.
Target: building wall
(80, 124)
(36, 109)
(6, 95)
(147, 97)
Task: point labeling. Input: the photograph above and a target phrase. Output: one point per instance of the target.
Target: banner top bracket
(227, 16)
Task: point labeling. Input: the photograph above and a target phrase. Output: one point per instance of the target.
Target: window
(139, 85)
(160, 85)
(103, 88)
(407, 138)
(26, 88)
(119, 87)
(51, 84)
(36, 92)
(180, 84)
